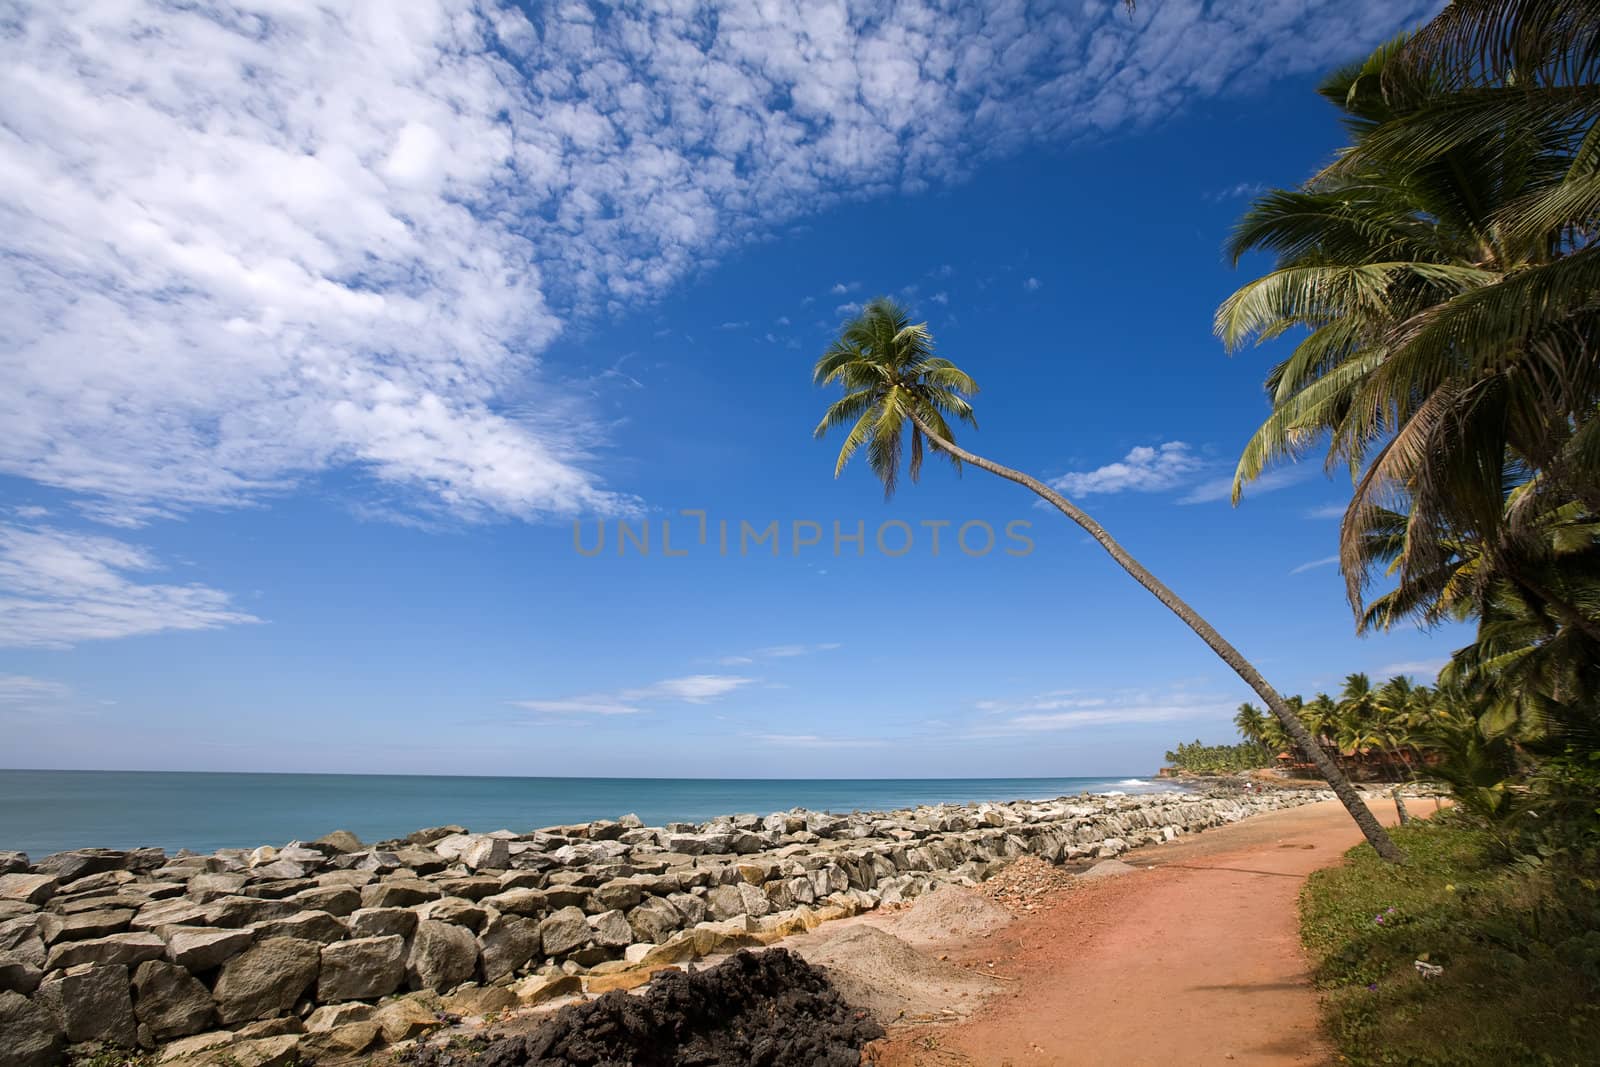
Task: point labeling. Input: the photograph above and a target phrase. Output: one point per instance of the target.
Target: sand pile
(949, 914)
(877, 971)
(768, 1009)
(1108, 869)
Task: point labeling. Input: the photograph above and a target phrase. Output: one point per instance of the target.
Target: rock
(13, 862)
(487, 853)
(380, 922)
(28, 888)
(21, 935)
(200, 948)
(90, 1002)
(78, 863)
(84, 924)
(340, 841)
(442, 956)
(29, 1034)
(280, 1051)
(404, 1018)
(691, 907)
(422, 860)
(129, 950)
(456, 910)
(19, 975)
(170, 913)
(277, 870)
(564, 931)
(527, 902)
(611, 929)
(330, 1016)
(340, 1042)
(398, 893)
(336, 900)
(473, 887)
(654, 920)
(266, 979)
(377, 860)
(364, 969)
(170, 1001)
(235, 912)
(505, 944)
(619, 894)
(185, 1047)
(283, 1024)
(306, 925)
(479, 1000)
(725, 902)
(542, 987)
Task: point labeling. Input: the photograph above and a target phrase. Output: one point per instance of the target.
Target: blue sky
(320, 347)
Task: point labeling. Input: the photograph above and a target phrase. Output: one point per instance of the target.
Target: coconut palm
(1444, 268)
(1251, 723)
(896, 389)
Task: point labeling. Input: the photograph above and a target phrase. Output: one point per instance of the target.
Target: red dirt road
(1195, 960)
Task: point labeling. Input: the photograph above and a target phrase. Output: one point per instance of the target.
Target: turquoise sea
(47, 811)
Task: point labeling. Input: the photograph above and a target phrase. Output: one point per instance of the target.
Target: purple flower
(1372, 986)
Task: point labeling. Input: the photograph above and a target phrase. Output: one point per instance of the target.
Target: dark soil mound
(766, 1009)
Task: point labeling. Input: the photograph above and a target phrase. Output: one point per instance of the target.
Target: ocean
(48, 811)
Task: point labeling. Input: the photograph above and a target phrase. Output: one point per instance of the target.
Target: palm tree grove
(800, 533)
(1440, 276)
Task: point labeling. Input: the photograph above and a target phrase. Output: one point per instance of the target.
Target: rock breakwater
(321, 950)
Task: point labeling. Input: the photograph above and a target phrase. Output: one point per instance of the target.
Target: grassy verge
(1519, 944)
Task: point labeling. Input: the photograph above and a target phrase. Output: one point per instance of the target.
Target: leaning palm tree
(895, 388)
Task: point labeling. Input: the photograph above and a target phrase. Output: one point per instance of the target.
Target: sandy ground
(1193, 958)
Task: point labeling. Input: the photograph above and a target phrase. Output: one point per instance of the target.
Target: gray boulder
(170, 1001)
(13, 862)
(266, 979)
(611, 930)
(520, 901)
(442, 956)
(90, 1003)
(691, 907)
(456, 910)
(129, 950)
(381, 922)
(564, 931)
(340, 841)
(486, 853)
(28, 888)
(620, 893)
(505, 943)
(725, 902)
(307, 925)
(18, 975)
(654, 920)
(398, 893)
(200, 948)
(29, 1034)
(84, 924)
(364, 969)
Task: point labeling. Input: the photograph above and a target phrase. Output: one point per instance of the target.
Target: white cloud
(1209, 492)
(1426, 669)
(1143, 469)
(242, 244)
(1069, 710)
(841, 288)
(1032, 284)
(30, 512)
(940, 297)
(817, 741)
(690, 689)
(1314, 564)
(59, 588)
(1327, 511)
(21, 689)
(734, 325)
(847, 309)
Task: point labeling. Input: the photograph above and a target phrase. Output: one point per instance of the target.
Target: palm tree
(1443, 268)
(893, 383)
(1251, 723)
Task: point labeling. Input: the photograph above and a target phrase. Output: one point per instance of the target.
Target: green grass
(1519, 944)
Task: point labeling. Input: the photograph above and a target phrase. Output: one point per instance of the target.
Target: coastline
(51, 811)
(335, 946)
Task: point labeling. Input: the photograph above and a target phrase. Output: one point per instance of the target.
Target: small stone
(363, 969)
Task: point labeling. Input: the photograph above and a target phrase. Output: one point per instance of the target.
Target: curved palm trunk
(1292, 725)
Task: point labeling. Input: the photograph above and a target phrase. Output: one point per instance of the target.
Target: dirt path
(1193, 960)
